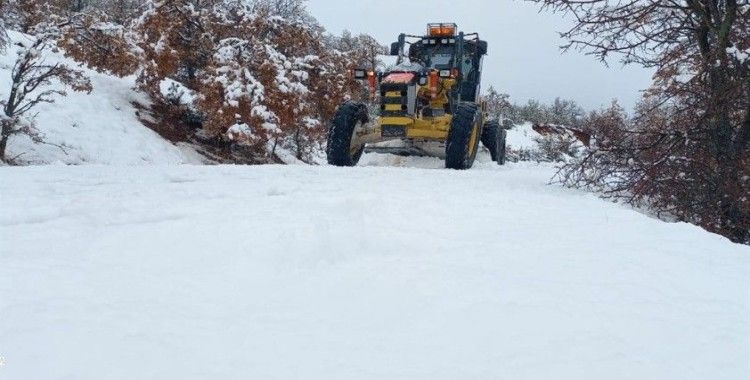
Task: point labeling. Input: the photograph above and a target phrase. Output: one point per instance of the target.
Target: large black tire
(493, 138)
(340, 151)
(463, 137)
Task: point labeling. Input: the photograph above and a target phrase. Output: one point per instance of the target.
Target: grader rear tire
(493, 138)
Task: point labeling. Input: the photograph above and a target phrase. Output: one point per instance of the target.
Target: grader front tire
(463, 137)
(340, 150)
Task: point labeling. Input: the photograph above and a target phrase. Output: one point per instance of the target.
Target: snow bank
(521, 137)
(282, 272)
(97, 128)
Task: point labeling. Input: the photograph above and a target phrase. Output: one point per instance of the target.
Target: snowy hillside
(285, 272)
(99, 128)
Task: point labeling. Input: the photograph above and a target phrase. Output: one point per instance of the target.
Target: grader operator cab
(429, 104)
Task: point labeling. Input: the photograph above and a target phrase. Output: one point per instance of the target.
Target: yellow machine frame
(417, 127)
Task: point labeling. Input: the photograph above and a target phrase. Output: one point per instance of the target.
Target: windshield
(441, 61)
(438, 57)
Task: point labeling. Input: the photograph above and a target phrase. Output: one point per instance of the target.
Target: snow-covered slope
(302, 272)
(98, 128)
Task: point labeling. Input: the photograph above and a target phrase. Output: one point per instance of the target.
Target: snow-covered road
(300, 272)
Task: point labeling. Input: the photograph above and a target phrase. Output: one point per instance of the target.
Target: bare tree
(121, 12)
(4, 39)
(499, 106)
(292, 10)
(685, 152)
(34, 81)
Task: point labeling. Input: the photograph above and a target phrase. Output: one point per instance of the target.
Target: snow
(177, 92)
(522, 137)
(240, 131)
(386, 62)
(740, 55)
(97, 128)
(279, 272)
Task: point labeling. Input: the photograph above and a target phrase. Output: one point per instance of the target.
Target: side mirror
(482, 47)
(395, 48)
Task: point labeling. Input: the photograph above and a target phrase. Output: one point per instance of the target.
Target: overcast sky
(524, 58)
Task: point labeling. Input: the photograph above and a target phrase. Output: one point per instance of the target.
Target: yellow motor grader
(429, 104)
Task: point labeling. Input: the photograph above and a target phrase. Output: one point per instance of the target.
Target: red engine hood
(399, 78)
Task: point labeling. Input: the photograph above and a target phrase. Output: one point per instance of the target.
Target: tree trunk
(298, 143)
(4, 135)
(718, 23)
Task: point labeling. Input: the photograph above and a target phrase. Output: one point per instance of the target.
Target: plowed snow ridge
(284, 272)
